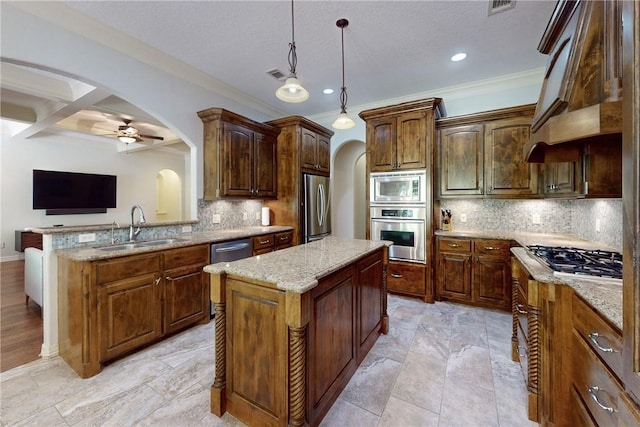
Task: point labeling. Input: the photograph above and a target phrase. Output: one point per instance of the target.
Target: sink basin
(129, 246)
(118, 247)
(157, 242)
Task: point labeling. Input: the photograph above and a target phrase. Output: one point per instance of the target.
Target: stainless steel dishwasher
(230, 251)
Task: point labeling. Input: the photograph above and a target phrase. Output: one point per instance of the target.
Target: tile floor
(441, 365)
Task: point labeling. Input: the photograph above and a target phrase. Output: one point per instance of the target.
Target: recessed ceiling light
(327, 91)
(458, 57)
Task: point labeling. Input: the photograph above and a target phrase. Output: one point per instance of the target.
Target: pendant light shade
(343, 121)
(292, 90)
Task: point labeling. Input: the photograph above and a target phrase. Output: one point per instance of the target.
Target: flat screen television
(65, 193)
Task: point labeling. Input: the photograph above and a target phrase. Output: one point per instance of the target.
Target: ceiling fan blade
(159, 138)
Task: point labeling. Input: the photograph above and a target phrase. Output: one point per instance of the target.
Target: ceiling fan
(128, 134)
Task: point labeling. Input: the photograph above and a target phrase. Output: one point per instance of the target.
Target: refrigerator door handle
(320, 204)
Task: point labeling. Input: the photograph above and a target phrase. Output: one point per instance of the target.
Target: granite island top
(298, 268)
(92, 253)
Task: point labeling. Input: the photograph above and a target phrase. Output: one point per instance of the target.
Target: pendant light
(292, 91)
(343, 121)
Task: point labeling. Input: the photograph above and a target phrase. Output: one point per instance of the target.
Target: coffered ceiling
(393, 49)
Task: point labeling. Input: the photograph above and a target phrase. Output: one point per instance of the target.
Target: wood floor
(20, 324)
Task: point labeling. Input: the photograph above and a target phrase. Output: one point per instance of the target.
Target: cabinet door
(187, 299)
(265, 167)
(411, 141)
(237, 155)
(461, 160)
(559, 179)
(381, 137)
(454, 276)
(492, 281)
(324, 153)
(129, 314)
(308, 150)
(369, 305)
(507, 173)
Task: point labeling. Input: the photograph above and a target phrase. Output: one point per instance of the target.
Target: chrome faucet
(141, 220)
(114, 224)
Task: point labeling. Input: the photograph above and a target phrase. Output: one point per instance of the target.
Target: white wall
(136, 174)
(343, 193)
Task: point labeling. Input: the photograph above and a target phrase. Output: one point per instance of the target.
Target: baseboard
(17, 257)
(47, 351)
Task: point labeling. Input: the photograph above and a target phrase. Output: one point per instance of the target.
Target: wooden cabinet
(315, 149)
(401, 136)
(27, 239)
(239, 156)
(303, 147)
(282, 358)
(407, 278)
(272, 242)
(108, 308)
(481, 155)
(475, 271)
(560, 179)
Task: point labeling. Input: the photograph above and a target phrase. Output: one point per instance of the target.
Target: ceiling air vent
(497, 6)
(277, 74)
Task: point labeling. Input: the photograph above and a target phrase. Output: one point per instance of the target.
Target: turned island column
(218, 389)
(297, 309)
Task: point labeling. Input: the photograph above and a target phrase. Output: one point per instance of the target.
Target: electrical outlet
(186, 229)
(598, 225)
(463, 217)
(535, 219)
(89, 237)
(245, 216)
(215, 218)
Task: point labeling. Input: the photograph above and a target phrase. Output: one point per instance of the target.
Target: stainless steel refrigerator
(317, 212)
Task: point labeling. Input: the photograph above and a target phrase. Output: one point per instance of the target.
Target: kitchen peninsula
(292, 326)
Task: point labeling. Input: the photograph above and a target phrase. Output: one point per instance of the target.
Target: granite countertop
(299, 268)
(182, 240)
(603, 296)
(527, 239)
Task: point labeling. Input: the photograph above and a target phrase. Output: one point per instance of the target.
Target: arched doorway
(349, 190)
(168, 196)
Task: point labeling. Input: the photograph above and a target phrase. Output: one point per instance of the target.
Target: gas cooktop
(574, 261)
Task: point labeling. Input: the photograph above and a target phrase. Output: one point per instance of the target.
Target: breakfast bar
(292, 326)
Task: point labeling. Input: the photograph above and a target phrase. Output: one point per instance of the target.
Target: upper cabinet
(398, 135)
(481, 154)
(581, 92)
(315, 151)
(239, 156)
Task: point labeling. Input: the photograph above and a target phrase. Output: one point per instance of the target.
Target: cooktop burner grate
(580, 261)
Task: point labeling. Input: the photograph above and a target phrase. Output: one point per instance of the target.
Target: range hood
(580, 99)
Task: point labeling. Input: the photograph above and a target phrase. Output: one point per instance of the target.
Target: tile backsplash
(576, 217)
(232, 214)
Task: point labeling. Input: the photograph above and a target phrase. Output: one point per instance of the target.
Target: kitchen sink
(129, 246)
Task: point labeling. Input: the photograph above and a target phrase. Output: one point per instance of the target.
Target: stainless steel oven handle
(398, 221)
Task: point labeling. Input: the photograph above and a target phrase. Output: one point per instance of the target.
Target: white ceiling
(392, 49)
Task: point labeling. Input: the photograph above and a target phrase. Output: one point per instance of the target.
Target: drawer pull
(157, 281)
(491, 248)
(265, 242)
(520, 309)
(284, 238)
(397, 276)
(593, 336)
(593, 391)
(454, 245)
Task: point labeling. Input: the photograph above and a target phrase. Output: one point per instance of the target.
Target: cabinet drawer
(597, 332)
(125, 267)
(406, 278)
(284, 239)
(594, 381)
(491, 247)
(186, 256)
(454, 245)
(262, 242)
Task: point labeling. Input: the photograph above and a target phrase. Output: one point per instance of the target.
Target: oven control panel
(404, 213)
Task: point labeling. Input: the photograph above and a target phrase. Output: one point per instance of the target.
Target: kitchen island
(292, 327)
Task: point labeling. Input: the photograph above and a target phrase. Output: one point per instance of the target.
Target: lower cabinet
(111, 307)
(474, 271)
(571, 356)
(407, 278)
(272, 242)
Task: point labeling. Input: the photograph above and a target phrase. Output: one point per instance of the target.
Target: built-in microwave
(407, 187)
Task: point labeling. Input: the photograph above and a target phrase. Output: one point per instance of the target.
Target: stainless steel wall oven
(405, 227)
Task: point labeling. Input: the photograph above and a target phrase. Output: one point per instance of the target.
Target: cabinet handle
(282, 238)
(593, 391)
(397, 276)
(157, 281)
(265, 242)
(454, 245)
(490, 248)
(593, 336)
(520, 309)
